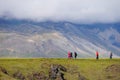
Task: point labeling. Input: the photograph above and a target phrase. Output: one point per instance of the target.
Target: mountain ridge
(59, 37)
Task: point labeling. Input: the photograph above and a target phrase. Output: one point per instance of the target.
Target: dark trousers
(97, 57)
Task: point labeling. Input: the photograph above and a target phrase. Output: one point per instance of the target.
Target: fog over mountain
(51, 28)
(21, 38)
(77, 11)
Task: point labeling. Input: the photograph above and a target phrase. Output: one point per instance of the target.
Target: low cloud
(79, 11)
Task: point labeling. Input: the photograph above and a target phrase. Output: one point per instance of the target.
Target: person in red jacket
(97, 55)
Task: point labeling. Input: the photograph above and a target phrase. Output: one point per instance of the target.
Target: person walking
(97, 55)
(75, 55)
(111, 55)
(69, 54)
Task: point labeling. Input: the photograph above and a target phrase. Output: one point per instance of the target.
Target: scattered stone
(37, 76)
(3, 70)
(60, 76)
(19, 75)
(113, 68)
(56, 72)
(62, 68)
(30, 77)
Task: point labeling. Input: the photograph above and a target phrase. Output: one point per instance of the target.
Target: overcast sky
(80, 11)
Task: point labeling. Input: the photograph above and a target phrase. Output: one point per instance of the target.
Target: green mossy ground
(91, 69)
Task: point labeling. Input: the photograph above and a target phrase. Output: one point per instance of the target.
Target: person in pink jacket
(69, 54)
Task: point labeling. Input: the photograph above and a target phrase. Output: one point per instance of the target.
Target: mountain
(21, 38)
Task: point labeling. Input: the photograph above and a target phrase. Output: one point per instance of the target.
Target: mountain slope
(50, 39)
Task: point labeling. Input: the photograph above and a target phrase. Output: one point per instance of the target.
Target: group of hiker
(70, 55)
(97, 55)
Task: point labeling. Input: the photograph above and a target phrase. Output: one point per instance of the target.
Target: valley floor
(79, 69)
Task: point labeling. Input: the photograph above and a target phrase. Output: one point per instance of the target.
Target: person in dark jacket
(71, 55)
(75, 55)
(111, 55)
